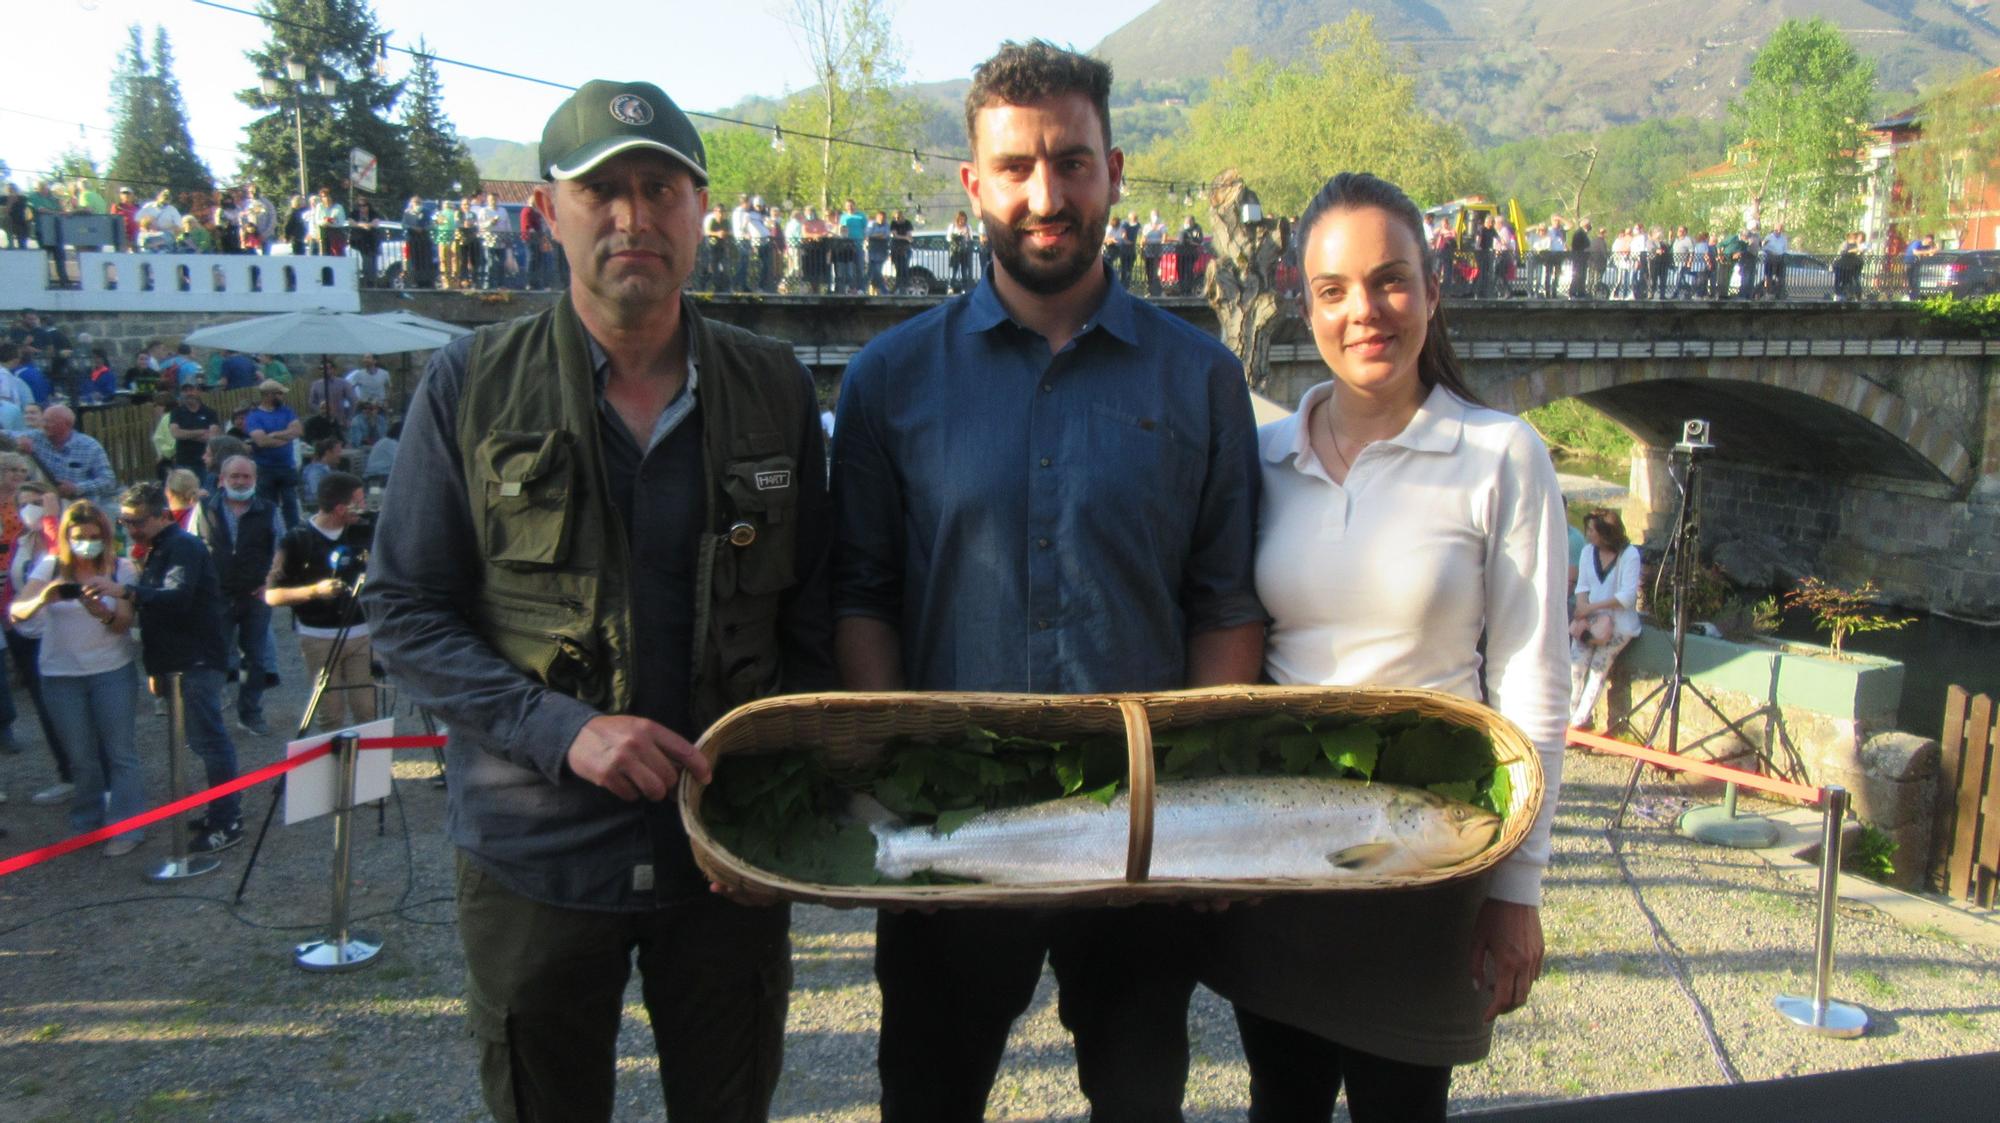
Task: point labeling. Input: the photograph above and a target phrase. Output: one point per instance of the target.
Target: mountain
(504, 159)
(1513, 68)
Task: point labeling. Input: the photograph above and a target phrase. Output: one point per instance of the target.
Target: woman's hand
(1506, 953)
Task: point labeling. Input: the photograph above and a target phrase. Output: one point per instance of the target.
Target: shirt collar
(984, 311)
(676, 411)
(1436, 427)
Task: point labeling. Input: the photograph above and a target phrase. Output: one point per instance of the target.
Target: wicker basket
(852, 728)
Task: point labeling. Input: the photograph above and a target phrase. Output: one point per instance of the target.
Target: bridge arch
(1795, 413)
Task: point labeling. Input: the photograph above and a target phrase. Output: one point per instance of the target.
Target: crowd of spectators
(1573, 259)
(75, 534)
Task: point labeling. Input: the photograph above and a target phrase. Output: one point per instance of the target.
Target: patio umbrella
(318, 332)
(411, 319)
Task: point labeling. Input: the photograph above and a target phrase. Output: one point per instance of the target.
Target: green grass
(1573, 427)
(1964, 1023)
(48, 1032)
(1871, 984)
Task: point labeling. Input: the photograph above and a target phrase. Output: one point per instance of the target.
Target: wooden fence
(126, 430)
(1971, 761)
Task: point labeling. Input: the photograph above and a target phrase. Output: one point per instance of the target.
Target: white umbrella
(411, 319)
(318, 332)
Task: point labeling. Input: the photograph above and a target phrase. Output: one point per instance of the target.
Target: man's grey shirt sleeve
(420, 578)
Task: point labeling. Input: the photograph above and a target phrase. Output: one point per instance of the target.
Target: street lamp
(294, 84)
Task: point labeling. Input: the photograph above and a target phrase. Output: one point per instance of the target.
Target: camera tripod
(1708, 824)
(322, 682)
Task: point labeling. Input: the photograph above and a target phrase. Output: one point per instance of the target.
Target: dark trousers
(27, 655)
(545, 992)
(1295, 1076)
(953, 982)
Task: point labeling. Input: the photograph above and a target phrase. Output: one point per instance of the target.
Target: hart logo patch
(773, 481)
(632, 109)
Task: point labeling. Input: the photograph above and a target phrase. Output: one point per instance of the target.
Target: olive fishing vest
(552, 575)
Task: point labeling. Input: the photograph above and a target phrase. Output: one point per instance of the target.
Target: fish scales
(1224, 828)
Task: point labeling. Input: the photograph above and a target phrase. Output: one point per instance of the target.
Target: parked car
(1962, 273)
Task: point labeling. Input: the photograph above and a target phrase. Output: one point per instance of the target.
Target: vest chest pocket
(524, 484)
(763, 495)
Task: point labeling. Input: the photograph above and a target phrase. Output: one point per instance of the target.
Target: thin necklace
(1326, 410)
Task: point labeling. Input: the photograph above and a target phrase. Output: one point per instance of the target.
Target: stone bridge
(1852, 441)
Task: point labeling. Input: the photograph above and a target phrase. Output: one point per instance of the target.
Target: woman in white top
(1607, 610)
(1400, 521)
(90, 680)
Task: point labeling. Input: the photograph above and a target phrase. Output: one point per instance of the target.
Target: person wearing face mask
(89, 676)
(315, 571)
(240, 530)
(22, 525)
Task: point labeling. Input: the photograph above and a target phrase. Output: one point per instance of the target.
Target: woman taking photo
(1607, 603)
(89, 677)
(1401, 521)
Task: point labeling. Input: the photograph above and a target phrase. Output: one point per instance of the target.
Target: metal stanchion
(180, 865)
(340, 950)
(1819, 1013)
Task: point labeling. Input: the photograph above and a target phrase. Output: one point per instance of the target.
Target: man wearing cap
(273, 427)
(605, 527)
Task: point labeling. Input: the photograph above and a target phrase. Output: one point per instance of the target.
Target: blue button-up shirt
(1048, 523)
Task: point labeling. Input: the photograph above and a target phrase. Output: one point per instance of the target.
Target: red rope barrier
(1707, 768)
(20, 862)
(249, 780)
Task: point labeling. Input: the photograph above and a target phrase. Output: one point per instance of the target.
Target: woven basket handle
(1139, 779)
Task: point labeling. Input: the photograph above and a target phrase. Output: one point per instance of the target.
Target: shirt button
(1048, 387)
(1045, 461)
(1042, 625)
(1042, 542)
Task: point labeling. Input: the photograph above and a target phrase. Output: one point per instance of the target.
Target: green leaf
(1184, 759)
(1105, 794)
(1298, 752)
(949, 821)
(1499, 794)
(1069, 768)
(1354, 748)
(1460, 790)
(1435, 752)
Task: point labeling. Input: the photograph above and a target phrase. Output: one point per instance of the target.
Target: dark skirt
(1389, 973)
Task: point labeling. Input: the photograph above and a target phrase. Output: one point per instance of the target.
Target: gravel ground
(121, 1000)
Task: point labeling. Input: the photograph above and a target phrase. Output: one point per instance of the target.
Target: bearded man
(1043, 485)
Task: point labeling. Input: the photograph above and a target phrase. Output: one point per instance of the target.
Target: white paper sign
(309, 789)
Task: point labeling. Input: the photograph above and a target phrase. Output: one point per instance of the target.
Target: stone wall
(1767, 527)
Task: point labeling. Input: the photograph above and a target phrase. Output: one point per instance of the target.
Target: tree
(151, 146)
(1349, 104)
(1241, 282)
(339, 38)
(857, 62)
(1945, 170)
(1805, 112)
(439, 163)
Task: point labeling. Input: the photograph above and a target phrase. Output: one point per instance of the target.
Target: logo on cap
(632, 109)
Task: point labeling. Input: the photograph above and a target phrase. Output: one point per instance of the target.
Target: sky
(721, 52)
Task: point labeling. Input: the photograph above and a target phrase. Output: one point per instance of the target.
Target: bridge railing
(1601, 275)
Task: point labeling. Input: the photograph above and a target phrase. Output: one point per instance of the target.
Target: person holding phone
(90, 679)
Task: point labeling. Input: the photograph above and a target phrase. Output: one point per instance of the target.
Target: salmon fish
(1231, 827)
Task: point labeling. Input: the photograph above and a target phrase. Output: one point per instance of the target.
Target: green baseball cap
(602, 119)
